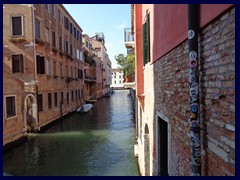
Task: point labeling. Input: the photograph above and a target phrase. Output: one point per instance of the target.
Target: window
(114, 82)
(55, 99)
(53, 39)
(40, 102)
(47, 37)
(66, 23)
(119, 82)
(71, 50)
(72, 95)
(37, 28)
(61, 70)
(17, 63)
(17, 26)
(71, 71)
(67, 98)
(146, 41)
(82, 93)
(78, 54)
(48, 67)
(66, 71)
(74, 52)
(62, 97)
(77, 35)
(78, 94)
(80, 37)
(60, 43)
(75, 32)
(66, 47)
(10, 106)
(119, 76)
(71, 28)
(46, 7)
(81, 55)
(59, 16)
(54, 68)
(52, 10)
(49, 100)
(40, 65)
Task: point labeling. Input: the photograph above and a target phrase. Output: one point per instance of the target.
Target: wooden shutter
(146, 41)
(41, 65)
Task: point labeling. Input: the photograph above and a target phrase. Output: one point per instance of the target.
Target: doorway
(30, 113)
(163, 144)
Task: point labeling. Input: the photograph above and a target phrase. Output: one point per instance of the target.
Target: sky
(111, 19)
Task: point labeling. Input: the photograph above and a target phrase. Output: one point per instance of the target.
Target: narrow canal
(98, 143)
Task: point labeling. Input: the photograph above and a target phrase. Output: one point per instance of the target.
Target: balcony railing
(90, 78)
(128, 37)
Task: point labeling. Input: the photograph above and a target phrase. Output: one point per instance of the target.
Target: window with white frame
(17, 26)
(40, 65)
(54, 68)
(61, 70)
(78, 54)
(17, 63)
(37, 28)
(47, 37)
(48, 67)
(81, 56)
(10, 106)
(40, 102)
(52, 10)
(59, 16)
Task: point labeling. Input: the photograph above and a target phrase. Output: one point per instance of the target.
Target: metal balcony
(129, 38)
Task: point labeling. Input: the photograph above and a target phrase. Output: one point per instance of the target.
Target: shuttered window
(40, 65)
(37, 29)
(49, 100)
(17, 63)
(40, 102)
(146, 41)
(53, 39)
(10, 106)
(55, 99)
(17, 28)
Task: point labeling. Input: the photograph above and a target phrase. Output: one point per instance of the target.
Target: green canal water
(98, 143)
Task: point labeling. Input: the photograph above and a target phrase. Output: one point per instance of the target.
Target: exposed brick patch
(217, 98)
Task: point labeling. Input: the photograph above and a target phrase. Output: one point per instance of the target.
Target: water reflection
(97, 143)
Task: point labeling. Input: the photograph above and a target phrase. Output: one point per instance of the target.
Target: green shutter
(146, 40)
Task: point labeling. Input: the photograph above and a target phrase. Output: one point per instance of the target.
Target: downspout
(35, 63)
(193, 23)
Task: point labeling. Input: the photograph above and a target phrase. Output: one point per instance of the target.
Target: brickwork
(55, 82)
(168, 93)
(13, 126)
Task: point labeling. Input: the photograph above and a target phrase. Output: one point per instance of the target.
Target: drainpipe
(35, 63)
(193, 22)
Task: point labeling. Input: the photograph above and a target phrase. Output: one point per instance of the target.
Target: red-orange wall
(171, 24)
(139, 64)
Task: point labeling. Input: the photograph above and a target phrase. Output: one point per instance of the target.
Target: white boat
(85, 108)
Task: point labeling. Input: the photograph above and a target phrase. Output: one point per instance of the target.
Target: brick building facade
(163, 91)
(43, 65)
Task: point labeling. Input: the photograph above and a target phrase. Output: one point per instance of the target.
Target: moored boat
(85, 108)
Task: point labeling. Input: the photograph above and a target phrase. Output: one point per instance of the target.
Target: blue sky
(111, 19)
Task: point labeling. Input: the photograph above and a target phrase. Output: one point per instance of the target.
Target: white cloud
(121, 26)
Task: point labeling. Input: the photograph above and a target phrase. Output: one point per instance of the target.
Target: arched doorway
(30, 113)
(146, 150)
